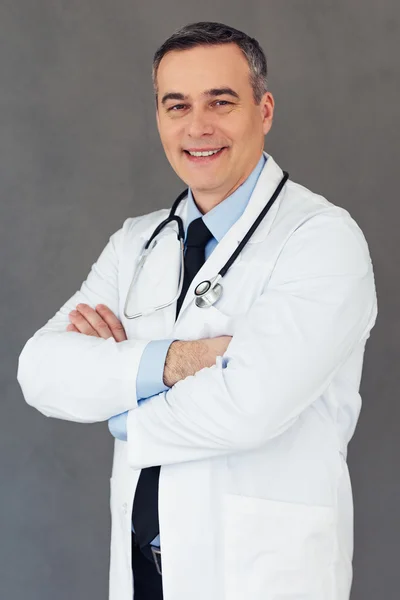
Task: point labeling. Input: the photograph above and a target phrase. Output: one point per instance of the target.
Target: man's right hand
(186, 358)
(99, 322)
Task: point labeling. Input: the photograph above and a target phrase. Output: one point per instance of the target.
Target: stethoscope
(209, 291)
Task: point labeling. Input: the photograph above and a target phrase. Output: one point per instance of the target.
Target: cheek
(167, 130)
(172, 139)
(237, 129)
(248, 127)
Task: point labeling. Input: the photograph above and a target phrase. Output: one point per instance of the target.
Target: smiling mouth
(206, 156)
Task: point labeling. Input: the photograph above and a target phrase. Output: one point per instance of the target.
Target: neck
(206, 200)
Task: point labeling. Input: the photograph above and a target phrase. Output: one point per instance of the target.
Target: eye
(174, 107)
(224, 101)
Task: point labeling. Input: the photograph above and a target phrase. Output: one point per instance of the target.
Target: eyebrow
(210, 93)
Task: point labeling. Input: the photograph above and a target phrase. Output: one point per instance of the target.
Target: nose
(199, 124)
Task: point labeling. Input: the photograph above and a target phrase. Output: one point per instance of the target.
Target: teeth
(210, 153)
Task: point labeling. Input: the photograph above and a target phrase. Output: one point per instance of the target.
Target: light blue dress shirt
(219, 220)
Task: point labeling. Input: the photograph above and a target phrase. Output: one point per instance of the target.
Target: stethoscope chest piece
(208, 292)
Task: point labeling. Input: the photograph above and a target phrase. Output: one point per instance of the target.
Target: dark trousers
(147, 581)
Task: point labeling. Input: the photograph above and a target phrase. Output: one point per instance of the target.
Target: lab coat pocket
(275, 550)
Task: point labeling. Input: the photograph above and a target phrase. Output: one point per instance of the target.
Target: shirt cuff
(149, 380)
(117, 426)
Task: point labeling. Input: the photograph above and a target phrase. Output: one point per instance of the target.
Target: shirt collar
(221, 218)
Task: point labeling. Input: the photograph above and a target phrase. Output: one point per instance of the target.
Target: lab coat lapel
(267, 182)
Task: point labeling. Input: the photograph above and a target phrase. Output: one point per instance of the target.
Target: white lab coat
(255, 499)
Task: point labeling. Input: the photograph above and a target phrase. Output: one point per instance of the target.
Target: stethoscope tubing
(256, 223)
(235, 254)
(181, 238)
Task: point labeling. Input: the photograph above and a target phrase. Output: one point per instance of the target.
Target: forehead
(202, 67)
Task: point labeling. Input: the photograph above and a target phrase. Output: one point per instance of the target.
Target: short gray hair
(206, 33)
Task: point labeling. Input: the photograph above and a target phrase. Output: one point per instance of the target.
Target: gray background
(79, 152)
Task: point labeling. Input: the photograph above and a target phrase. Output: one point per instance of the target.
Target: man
(231, 422)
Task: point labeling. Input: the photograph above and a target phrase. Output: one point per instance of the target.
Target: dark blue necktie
(145, 504)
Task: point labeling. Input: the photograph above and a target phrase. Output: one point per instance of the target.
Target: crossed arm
(93, 377)
(319, 305)
(184, 358)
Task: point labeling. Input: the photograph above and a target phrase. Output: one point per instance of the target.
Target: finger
(80, 323)
(94, 321)
(72, 328)
(112, 321)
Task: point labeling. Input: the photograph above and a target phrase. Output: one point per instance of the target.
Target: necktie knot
(198, 234)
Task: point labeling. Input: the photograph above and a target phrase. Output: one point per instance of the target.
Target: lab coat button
(125, 508)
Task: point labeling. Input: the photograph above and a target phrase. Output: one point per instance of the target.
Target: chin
(205, 186)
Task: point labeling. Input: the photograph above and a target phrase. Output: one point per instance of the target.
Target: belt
(152, 553)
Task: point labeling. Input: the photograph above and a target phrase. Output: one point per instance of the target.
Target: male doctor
(229, 479)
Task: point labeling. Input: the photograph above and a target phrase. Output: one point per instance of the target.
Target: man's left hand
(99, 323)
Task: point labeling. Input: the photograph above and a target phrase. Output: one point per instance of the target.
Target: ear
(267, 105)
